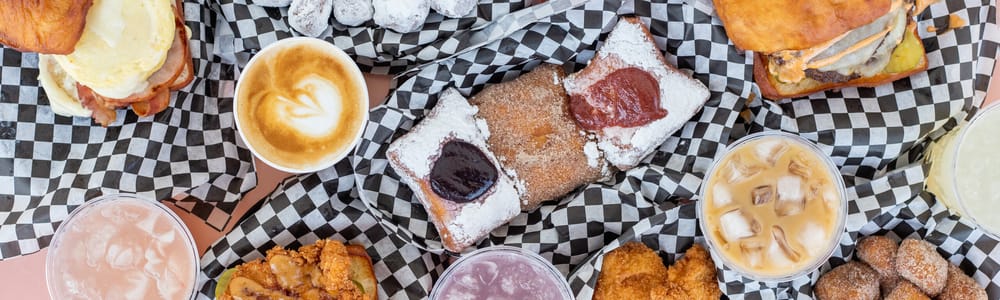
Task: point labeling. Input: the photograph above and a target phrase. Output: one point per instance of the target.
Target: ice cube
(487, 271)
(721, 195)
(467, 280)
(762, 194)
(121, 257)
(741, 169)
(737, 225)
(791, 199)
(800, 165)
(97, 244)
(508, 286)
(813, 235)
(782, 241)
(770, 151)
(753, 252)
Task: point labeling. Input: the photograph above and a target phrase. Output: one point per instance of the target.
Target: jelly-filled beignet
(630, 97)
(533, 134)
(446, 162)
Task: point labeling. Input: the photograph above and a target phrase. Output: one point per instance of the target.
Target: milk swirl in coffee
(301, 105)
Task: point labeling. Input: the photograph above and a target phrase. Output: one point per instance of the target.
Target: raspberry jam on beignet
(627, 97)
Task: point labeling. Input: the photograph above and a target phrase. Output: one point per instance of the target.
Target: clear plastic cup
(823, 252)
(964, 168)
(507, 264)
(116, 244)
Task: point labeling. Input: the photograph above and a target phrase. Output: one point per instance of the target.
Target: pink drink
(121, 247)
(501, 273)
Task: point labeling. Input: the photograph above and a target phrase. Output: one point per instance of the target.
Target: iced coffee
(773, 207)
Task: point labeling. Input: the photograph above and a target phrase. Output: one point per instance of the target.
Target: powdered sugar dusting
(400, 15)
(413, 155)
(593, 154)
(682, 97)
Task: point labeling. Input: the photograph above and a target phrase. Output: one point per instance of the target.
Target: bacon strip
(176, 73)
(102, 113)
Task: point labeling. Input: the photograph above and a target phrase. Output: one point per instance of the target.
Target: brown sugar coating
(879, 253)
(853, 280)
(906, 291)
(533, 134)
(917, 262)
(961, 286)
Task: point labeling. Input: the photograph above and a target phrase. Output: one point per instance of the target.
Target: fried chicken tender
(319, 271)
(695, 274)
(634, 272)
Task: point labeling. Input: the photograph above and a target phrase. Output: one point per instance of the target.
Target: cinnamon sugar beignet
(533, 135)
(630, 97)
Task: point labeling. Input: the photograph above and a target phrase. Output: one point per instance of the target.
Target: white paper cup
(355, 75)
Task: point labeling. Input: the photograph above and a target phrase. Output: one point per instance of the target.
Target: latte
(301, 104)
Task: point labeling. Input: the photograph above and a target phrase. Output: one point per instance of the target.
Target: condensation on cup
(122, 247)
(965, 167)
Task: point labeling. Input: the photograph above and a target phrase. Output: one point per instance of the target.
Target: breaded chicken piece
(319, 271)
(695, 274)
(635, 272)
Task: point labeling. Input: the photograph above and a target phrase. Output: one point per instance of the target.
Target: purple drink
(501, 272)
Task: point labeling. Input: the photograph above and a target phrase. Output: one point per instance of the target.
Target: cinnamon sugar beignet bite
(630, 97)
(446, 162)
(534, 136)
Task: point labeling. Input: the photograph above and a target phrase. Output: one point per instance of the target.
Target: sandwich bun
(60, 88)
(770, 26)
(124, 43)
(49, 26)
(908, 58)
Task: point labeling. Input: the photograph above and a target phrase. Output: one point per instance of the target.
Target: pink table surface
(24, 277)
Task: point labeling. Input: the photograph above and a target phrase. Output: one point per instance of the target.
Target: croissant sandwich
(99, 55)
(806, 46)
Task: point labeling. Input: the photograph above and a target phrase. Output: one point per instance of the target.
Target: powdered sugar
(353, 12)
(453, 8)
(310, 17)
(413, 155)
(400, 15)
(593, 154)
(628, 46)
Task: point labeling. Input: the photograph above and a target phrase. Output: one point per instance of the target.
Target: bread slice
(773, 89)
(769, 26)
(47, 27)
(361, 272)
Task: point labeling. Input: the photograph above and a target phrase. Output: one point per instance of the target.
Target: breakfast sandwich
(325, 270)
(804, 47)
(97, 56)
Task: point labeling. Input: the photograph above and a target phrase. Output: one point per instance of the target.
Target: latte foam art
(314, 111)
(300, 106)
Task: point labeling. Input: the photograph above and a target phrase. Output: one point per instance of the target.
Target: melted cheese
(795, 62)
(124, 42)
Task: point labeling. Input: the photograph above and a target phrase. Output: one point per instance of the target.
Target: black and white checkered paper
(875, 135)
(49, 164)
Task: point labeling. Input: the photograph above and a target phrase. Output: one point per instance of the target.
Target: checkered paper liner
(375, 49)
(574, 231)
(49, 164)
